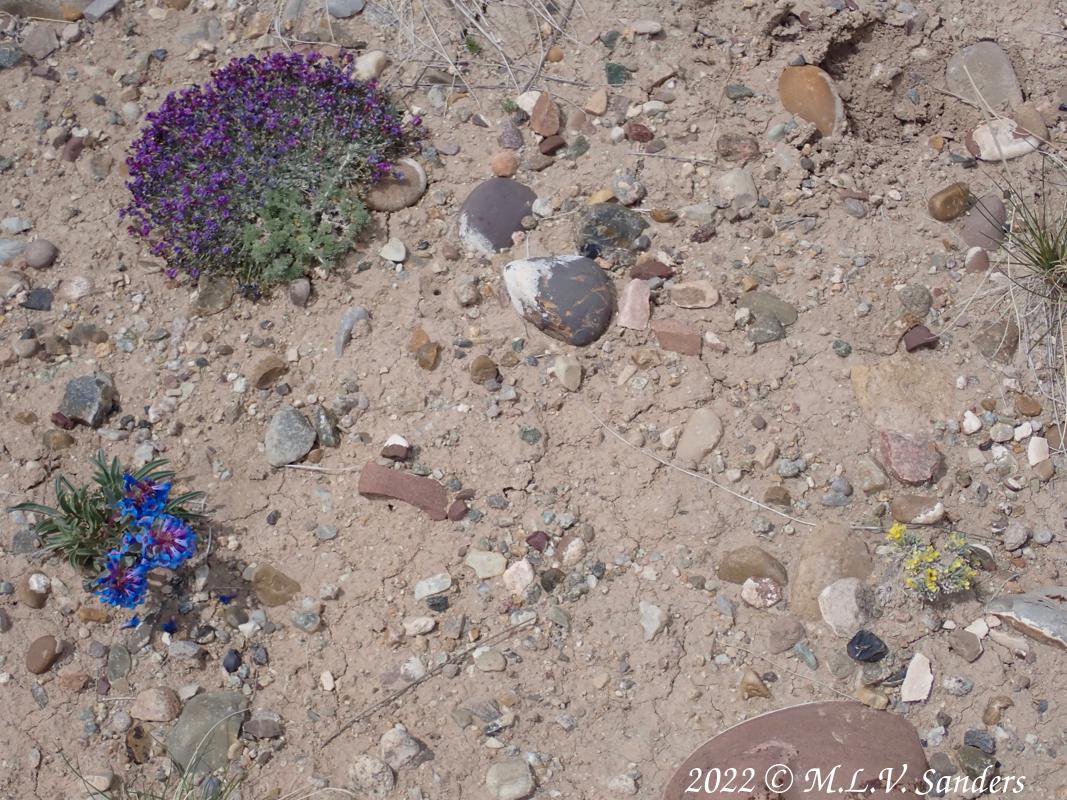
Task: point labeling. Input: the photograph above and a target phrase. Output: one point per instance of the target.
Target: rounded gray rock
(343, 9)
(40, 254)
(290, 437)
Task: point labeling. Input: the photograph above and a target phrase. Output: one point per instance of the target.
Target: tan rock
(950, 202)
(828, 554)
(545, 118)
(810, 93)
(904, 394)
(597, 103)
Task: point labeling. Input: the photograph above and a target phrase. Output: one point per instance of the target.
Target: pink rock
(634, 310)
(909, 460)
(677, 337)
(378, 481)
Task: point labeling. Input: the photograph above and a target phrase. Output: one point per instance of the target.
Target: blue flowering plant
(260, 172)
(121, 526)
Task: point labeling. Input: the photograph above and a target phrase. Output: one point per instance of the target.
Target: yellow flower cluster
(925, 571)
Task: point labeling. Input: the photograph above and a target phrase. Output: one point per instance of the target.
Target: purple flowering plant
(121, 526)
(260, 171)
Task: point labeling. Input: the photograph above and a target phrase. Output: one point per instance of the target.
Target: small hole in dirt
(882, 94)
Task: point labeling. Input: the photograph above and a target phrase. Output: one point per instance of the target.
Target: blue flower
(122, 584)
(169, 542)
(142, 500)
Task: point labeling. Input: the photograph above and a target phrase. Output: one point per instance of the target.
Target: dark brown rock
(42, 654)
(636, 132)
(492, 213)
(919, 336)
(376, 481)
(551, 145)
(650, 268)
(567, 297)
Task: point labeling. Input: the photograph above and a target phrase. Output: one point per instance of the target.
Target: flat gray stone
(992, 73)
(97, 9)
(10, 249)
(984, 224)
(289, 438)
(765, 304)
(207, 728)
(509, 780)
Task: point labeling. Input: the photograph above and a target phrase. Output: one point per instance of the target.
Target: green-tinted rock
(616, 74)
(204, 733)
(974, 762)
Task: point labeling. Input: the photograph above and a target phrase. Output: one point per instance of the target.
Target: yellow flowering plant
(931, 573)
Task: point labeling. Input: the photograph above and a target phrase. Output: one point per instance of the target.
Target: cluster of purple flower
(200, 168)
(152, 539)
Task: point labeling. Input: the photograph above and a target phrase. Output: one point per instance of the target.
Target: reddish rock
(845, 736)
(650, 268)
(677, 337)
(634, 311)
(376, 481)
(552, 144)
(457, 510)
(919, 336)
(396, 451)
(636, 132)
(737, 147)
(544, 120)
(909, 460)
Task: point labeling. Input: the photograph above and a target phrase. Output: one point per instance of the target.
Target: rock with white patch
(493, 213)
(1000, 139)
(567, 297)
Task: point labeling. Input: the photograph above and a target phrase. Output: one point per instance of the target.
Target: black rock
(437, 602)
(38, 300)
(567, 297)
(231, 661)
(865, 646)
(492, 212)
(609, 230)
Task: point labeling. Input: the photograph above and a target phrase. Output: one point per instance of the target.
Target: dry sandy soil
(595, 707)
